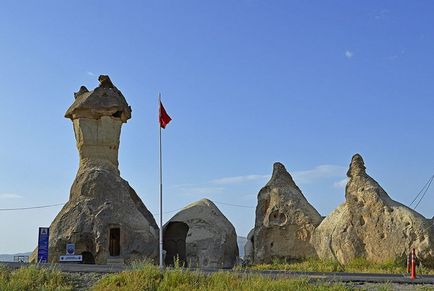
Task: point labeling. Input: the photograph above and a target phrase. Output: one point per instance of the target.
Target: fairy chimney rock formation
(97, 117)
(371, 225)
(200, 236)
(104, 216)
(284, 221)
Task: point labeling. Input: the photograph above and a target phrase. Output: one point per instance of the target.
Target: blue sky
(247, 83)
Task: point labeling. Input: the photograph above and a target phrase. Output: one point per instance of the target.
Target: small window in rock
(117, 114)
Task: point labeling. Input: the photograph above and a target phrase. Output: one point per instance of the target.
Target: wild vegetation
(359, 265)
(32, 278)
(149, 277)
(146, 276)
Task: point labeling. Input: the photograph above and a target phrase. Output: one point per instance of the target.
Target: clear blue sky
(247, 83)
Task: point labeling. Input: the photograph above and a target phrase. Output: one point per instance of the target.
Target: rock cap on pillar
(98, 116)
(104, 100)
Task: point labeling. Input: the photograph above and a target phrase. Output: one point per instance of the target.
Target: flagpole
(161, 189)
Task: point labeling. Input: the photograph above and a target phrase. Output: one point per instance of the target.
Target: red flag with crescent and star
(164, 117)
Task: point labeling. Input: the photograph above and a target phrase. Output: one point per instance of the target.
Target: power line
(424, 188)
(235, 205)
(166, 212)
(32, 207)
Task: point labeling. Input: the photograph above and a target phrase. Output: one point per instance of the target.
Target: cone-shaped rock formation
(104, 216)
(284, 221)
(371, 225)
(201, 236)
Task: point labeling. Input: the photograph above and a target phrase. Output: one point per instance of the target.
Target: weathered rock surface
(105, 100)
(248, 248)
(104, 216)
(201, 236)
(284, 221)
(371, 225)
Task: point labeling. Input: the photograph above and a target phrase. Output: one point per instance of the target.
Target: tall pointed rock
(371, 225)
(104, 217)
(284, 221)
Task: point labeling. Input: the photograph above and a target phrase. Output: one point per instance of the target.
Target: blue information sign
(70, 249)
(44, 234)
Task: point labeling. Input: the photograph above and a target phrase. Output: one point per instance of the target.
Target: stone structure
(200, 236)
(104, 216)
(372, 225)
(284, 221)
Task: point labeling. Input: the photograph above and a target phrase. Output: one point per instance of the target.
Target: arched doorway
(174, 237)
(88, 258)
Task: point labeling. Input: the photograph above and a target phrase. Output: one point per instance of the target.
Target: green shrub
(32, 278)
(358, 265)
(307, 265)
(146, 277)
(151, 278)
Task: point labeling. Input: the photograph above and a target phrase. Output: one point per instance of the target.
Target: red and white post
(413, 265)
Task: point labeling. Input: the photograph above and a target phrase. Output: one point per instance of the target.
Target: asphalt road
(314, 276)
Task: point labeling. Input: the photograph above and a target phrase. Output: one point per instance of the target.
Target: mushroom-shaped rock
(284, 221)
(104, 217)
(105, 100)
(371, 225)
(200, 236)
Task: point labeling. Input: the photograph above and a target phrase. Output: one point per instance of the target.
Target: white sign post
(70, 255)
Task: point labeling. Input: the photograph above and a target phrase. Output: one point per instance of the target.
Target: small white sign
(76, 258)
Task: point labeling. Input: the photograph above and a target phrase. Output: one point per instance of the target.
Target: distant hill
(10, 258)
(241, 241)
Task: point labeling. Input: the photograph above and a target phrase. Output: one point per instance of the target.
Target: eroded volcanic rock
(248, 248)
(104, 216)
(201, 236)
(284, 221)
(371, 225)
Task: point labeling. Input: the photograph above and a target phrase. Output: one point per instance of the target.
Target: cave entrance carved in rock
(115, 242)
(88, 258)
(174, 244)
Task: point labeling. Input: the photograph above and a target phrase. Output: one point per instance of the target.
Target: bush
(307, 265)
(151, 278)
(32, 278)
(358, 265)
(146, 277)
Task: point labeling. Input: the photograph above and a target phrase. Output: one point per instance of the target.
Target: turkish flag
(164, 117)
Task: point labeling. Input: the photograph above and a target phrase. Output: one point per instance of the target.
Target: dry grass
(359, 265)
(149, 277)
(32, 278)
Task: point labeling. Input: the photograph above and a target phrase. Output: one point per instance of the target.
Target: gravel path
(83, 281)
